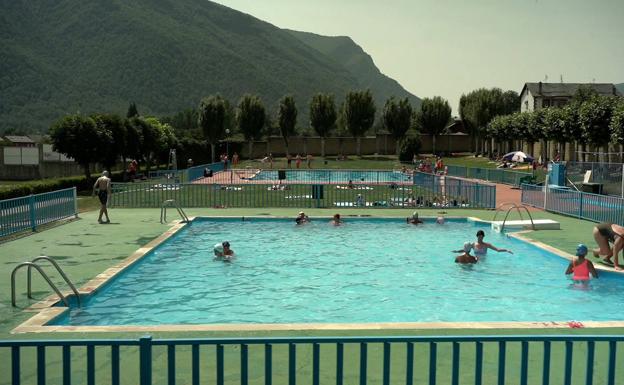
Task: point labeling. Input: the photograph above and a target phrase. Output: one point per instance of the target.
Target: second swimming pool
(368, 270)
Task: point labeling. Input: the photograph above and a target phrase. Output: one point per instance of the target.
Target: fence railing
(598, 208)
(442, 192)
(609, 175)
(29, 212)
(489, 174)
(320, 360)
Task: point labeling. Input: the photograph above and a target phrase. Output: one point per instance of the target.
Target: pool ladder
(509, 210)
(171, 203)
(33, 264)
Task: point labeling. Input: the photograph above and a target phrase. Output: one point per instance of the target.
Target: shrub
(46, 185)
(409, 146)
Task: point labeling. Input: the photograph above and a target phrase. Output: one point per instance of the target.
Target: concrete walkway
(510, 194)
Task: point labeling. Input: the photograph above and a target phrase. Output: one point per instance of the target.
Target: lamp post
(227, 143)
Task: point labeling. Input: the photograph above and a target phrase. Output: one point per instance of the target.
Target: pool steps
(540, 224)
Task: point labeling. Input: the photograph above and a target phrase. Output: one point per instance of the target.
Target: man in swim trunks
(103, 188)
(302, 218)
(581, 267)
(605, 234)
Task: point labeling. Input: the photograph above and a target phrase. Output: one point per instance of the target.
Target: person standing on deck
(102, 187)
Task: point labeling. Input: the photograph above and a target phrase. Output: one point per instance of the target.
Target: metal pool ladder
(510, 209)
(32, 264)
(171, 203)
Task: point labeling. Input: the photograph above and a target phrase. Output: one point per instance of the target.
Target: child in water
(580, 266)
(465, 257)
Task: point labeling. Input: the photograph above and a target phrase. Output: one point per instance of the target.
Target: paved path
(508, 194)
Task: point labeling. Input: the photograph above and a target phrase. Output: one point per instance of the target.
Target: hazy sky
(450, 47)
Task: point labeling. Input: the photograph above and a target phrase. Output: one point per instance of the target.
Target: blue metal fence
(489, 174)
(376, 360)
(598, 208)
(429, 191)
(29, 212)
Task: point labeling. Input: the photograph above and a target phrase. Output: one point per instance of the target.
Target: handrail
(163, 211)
(59, 270)
(43, 274)
(513, 206)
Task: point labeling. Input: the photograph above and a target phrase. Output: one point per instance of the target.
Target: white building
(541, 95)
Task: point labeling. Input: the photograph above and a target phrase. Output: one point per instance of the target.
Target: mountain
(360, 64)
(89, 56)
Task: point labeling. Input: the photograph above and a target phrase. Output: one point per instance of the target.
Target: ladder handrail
(59, 270)
(514, 206)
(43, 274)
(163, 211)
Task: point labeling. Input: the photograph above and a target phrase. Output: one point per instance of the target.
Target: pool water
(368, 270)
(336, 176)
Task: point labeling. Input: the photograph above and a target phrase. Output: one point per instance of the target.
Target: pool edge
(47, 312)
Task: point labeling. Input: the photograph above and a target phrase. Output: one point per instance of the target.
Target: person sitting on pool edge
(605, 234)
(223, 252)
(336, 221)
(465, 257)
(302, 218)
(480, 248)
(581, 267)
(413, 220)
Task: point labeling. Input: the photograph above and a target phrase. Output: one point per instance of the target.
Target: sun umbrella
(518, 156)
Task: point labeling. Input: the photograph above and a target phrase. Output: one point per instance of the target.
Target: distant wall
(380, 144)
(35, 163)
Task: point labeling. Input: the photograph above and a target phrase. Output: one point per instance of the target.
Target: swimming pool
(369, 270)
(336, 176)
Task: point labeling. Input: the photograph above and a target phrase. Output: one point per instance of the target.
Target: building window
(546, 103)
(526, 105)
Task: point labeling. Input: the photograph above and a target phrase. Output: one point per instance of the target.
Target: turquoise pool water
(369, 270)
(336, 176)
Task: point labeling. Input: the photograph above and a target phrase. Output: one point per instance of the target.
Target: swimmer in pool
(336, 221)
(414, 220)
(581, 267)
(465, 257)
(480, 248)
(222, 252)
(302, 218)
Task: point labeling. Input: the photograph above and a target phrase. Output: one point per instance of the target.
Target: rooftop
(568, 89)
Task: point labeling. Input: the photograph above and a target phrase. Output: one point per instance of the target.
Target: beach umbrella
(518, 156)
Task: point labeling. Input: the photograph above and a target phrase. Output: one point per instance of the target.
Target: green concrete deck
(85, 249)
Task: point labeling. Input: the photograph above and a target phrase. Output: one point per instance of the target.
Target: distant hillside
(73, 55)
(360, 64)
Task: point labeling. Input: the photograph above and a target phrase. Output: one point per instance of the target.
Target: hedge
(46, 185)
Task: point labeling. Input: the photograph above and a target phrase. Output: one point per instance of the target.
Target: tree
(617, 123)
(359, 114)
(479, 107)
(115, 129)
(250, 117)
(78, 137)
(433, 117)
(594, 117)
(397, 119)
(165, 140)
(132, 111)
(323, 116)
(211, 119)
(146, 137)
(287, 118)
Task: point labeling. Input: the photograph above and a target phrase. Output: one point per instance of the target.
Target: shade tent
(518, 156)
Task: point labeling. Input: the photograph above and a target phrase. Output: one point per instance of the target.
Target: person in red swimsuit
(580, 266)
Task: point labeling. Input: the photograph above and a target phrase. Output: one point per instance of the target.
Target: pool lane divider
(47, 311)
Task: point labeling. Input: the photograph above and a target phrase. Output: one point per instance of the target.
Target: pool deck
(86, 249)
